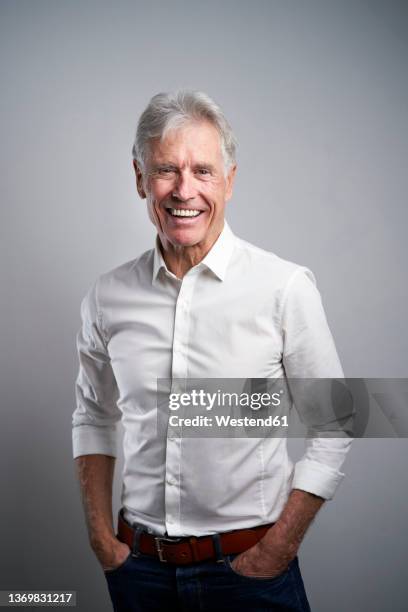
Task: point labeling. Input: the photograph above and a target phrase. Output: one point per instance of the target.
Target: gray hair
(167, 111)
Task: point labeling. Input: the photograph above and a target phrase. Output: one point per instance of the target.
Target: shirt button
(171, 480)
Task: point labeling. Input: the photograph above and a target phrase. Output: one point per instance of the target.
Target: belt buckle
(158, 542)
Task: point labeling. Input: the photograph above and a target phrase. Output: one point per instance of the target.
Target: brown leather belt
(190, 549)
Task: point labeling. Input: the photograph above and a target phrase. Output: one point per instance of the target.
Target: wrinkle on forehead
(188, 143)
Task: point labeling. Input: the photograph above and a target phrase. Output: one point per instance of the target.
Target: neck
(180, 259)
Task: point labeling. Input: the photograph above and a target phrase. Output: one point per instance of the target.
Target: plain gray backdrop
(317, 93)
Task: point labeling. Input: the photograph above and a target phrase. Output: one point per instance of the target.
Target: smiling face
(186, 187)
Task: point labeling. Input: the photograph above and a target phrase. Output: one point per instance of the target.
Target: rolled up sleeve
(310, 352)
(94, 421)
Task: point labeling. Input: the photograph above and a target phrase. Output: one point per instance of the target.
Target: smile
(183, 212)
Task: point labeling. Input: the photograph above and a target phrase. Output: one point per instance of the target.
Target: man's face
(185, 172)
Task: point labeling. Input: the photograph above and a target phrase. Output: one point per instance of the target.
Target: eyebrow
(164, 164)
(204, 165)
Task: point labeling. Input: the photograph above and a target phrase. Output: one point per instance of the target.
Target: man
(209, 523)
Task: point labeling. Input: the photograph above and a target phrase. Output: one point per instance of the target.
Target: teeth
(184, 213)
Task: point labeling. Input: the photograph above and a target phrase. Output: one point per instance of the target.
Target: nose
(184, 189)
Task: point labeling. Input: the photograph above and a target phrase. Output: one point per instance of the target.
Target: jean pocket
(279, 579)
(128, 559)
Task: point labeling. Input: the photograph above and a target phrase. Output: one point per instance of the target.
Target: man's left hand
(260, 562)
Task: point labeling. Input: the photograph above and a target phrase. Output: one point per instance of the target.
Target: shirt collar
(216, 260)
(218, 257)
(158, 261)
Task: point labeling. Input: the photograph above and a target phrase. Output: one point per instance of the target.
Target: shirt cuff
(316, 478)
(94, 440)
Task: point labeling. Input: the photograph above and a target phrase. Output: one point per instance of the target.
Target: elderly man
(209, 523)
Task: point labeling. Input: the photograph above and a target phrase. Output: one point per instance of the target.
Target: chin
(185, 237)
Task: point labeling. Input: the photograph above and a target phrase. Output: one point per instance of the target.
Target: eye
(203, 171)
(165, 170)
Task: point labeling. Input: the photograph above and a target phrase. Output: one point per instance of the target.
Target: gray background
(317, 94)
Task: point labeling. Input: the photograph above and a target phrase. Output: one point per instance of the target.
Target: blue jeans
(144, 584)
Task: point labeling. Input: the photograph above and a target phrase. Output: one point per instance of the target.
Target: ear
(139, 180)
(230, 182)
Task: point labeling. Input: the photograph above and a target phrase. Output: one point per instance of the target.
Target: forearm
(95, 474)
(273, 553)
(287, 533)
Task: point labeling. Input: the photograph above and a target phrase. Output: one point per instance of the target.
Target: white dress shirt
(241, 312)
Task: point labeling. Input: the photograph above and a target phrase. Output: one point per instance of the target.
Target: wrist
(102, 542)
(278, 543)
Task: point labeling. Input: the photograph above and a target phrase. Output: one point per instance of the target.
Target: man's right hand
(113, 555)
(95, 474)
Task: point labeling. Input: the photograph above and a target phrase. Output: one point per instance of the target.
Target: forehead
(190, 141)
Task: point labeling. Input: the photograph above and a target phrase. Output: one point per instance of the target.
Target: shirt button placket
(179, 371)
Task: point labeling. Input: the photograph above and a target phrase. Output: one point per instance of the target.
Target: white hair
(167, 111)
